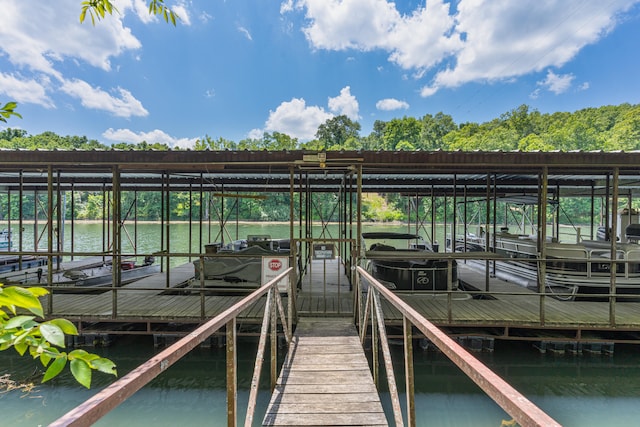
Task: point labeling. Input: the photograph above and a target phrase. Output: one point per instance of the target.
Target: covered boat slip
(431, 182)
(512, 312)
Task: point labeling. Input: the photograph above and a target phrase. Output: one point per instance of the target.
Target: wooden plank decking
(514, 307)
(325, 379)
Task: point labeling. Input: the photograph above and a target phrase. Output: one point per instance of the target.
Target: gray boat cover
(244, 265)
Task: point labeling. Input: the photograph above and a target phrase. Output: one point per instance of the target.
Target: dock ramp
(325, 379)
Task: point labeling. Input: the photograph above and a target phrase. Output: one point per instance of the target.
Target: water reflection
(576, 390)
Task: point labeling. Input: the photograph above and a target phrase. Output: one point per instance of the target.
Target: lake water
(576, 390)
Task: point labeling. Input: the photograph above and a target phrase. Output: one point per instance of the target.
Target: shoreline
(195, 222)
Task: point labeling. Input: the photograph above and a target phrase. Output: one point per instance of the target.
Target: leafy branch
(44, 340)
(8, 110)
(98, 9)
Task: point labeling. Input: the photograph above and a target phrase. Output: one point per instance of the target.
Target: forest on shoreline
(606, 128)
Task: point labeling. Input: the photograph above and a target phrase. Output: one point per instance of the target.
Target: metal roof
(410, 172)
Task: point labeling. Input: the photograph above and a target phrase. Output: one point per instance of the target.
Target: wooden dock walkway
(325, 379)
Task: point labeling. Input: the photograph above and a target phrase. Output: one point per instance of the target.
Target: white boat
(13, 262)
(100, 276)
(570, 269)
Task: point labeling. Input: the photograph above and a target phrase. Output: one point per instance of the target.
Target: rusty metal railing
(509, 399)
(101, 403)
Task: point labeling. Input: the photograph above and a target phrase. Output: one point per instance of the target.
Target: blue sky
(238, 68)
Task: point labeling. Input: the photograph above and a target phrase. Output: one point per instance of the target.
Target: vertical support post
(73, 219)
(35, 221)
(556, 216)
(466, 229)
(10, 240)
(454, 221)
(374, 339)
(356, 246)
(488, 234)
(59, 220)
(408, 371)
(168, 225)
(593, 211)
(104, 219)
(190, 219)
(449, 289)
(20, 217)
(446, 218)
(201, 211)
(135, 220)
(274, 340)
(614, 234)
(50, 237)
(232, 374)
(433, 215)
(117, 241)
(162, 210)
(293, 254)
(542, 239)
(494, 212)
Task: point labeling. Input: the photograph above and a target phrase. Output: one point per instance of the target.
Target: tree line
(606, 128)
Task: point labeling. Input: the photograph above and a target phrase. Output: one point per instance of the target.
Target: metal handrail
(101, 403)
(513, 402)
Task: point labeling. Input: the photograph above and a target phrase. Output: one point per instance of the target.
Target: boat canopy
(389, 235)
(527, 200)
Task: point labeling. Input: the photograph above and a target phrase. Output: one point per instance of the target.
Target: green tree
(402, 134)
(434, 129)
(336, 131)
(9, 134)
(625, 134)
(533, 142)
(278, 141)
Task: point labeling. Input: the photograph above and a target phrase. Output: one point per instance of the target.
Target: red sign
(275, 264)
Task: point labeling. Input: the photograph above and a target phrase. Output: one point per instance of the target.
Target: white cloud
(351, 24)
(295, 119)
(390, 104)
(141, 9)
(469, 40)
(345, 103)
(286, 6)
(30, 33)
(155, 136)
(44, 38)
(299, 120)
(183, 13)
(557, 83)
(255, 134)
(123, 104)
(246, 33)
(21, 89)
(204, 17)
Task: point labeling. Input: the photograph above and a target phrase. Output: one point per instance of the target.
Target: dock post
(232, 374)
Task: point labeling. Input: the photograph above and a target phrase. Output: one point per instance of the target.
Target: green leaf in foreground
(55, 368)
(105, 365)
(65, 326)
(81, 372)
(53, 334)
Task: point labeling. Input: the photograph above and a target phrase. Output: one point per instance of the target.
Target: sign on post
(324, 251)
(272, 266)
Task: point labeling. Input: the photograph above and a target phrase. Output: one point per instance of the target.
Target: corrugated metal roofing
(262, 171)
